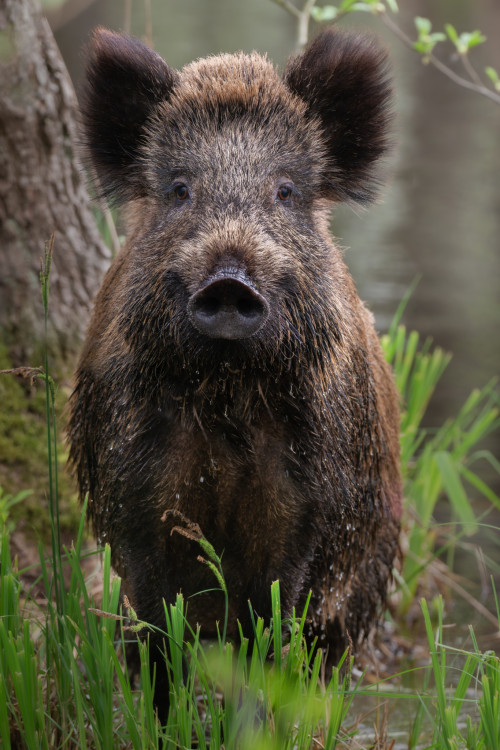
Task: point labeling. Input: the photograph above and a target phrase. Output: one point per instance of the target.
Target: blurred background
(439, 218)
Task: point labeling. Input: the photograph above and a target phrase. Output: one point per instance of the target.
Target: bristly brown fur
(282, 445)
(345, 80)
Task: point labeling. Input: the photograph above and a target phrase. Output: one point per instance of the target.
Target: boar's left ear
(344, 80)
(125, 81)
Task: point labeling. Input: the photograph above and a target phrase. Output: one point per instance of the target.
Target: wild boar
(230, 372)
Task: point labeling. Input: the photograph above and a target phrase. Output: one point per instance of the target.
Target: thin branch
(470, 70)
(289, 7)
(303, 18)
(148, 23)
(127, 16)
(466, 84)
(463, 81)
(303, 25)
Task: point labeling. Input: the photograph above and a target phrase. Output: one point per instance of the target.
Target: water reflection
(440, 218)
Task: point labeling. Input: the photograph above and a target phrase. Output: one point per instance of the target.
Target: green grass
(436, 466)
(64, 684)
(64, 681)
(476, 688)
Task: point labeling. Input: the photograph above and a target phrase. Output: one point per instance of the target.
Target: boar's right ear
(343, 78)
(125, 81)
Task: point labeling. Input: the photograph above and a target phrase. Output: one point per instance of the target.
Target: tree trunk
(42, 189)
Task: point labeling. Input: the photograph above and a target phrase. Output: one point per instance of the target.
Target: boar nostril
(208, 305)
(228, 307)
(249, 307)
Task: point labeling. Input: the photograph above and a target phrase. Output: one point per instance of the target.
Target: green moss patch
(23, 453)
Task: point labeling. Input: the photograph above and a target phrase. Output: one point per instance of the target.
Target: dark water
(440, 216)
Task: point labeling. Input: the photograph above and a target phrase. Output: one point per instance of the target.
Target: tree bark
(42, 189)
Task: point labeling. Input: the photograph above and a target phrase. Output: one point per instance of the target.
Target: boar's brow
(284, 170)
(167, 174)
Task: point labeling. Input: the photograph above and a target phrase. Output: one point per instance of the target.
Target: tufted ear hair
(344, 80)
(124, 83)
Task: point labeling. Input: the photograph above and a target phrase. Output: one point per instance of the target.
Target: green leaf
(393, 5)
(326, 13)
(481, 486)
(347, 6)
(473, 39)
(426, 41)
(465, 41)
(374, 7)
(453, 486)
(452, 33)
(423, 25)
(493, 76)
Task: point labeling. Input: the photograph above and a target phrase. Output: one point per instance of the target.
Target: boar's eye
(284, 193)
(181, 192)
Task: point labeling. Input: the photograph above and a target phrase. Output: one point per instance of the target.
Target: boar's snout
(228, 306)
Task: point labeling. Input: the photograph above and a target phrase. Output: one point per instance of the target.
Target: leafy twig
(431, 58)
(424, 44)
